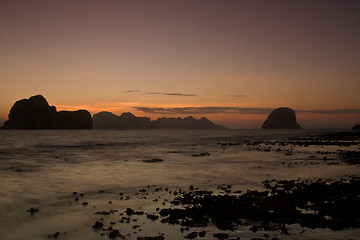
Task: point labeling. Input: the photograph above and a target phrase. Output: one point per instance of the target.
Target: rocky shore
(280, 209)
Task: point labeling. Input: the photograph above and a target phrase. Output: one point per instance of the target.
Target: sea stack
(36, 113)
(281, 118)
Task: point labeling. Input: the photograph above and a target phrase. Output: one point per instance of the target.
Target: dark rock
(98, 225)
(192, 235)
(202, 234)
(281, 118)
(356, 127)
(80, 119)
(55, 235)
(35, 113)
(221, 235)
(201, 154)
(283, 205)
(154, 160)
(103, 213)
(32, 211)
(130, 212)
(151, 238)
(184, 123)
(152, 217)
(115, 233)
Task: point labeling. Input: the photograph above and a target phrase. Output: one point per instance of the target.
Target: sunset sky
(230, 61)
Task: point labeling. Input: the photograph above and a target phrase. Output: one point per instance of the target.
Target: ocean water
(42, 168)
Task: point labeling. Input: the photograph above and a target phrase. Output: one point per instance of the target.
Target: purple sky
(127, 55)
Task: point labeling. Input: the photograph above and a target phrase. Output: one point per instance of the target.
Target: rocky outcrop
(183, 123)
(356, 127)
(36, 113)
(107, 120)
(80, 119)
(281, 118)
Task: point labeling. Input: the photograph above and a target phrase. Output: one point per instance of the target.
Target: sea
(56, 183)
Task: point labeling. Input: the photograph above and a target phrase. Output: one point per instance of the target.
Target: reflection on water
(43, 168)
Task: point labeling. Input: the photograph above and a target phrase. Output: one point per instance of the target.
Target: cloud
(233, 110)
(160, 93)
(172, 94)
(132, 91)
(204, 110)
(334, 111)
(239, 95)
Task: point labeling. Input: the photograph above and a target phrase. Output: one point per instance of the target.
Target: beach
(100, 184)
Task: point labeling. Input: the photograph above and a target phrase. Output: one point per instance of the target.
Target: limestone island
(36, 113)
(281, 118)
(108, 120)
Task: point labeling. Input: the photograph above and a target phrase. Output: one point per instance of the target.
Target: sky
(230, 61)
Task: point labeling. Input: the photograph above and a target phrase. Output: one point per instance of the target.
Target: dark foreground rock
(281, 118)
(36, 113)
(320, 204)
(151, 238)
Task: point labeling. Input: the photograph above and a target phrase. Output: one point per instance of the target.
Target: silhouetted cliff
(35, 113)
(107, 120)
(281, 118)
(356, 127)
(80, 119)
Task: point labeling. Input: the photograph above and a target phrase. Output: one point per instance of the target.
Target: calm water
(42, 169)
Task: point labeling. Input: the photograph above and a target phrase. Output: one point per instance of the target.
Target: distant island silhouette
(108, 120)
(36, 113)
(281, 118)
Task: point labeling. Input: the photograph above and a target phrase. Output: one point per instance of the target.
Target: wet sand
(280, 209)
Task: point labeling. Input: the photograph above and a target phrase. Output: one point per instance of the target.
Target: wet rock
(221, 235)
(202, 234)
(98, 225)
(151, 238)
(32, 211)
(192, 235)
(115, 233)
(129, 212)
(103, 213)
(282, 205)
(201, 154)
(152, 217)
(154, 160)
(55, 235)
